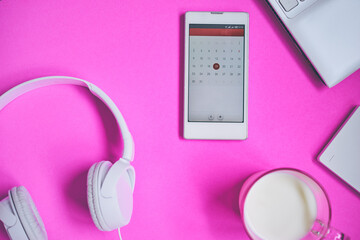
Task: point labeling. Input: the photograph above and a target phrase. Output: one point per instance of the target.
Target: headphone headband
(10, 95)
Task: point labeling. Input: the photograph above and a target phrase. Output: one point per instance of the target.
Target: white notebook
(342, 154)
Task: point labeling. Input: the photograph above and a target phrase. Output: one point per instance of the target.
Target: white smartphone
(216, 75)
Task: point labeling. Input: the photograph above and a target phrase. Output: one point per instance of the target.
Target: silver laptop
(328, 33)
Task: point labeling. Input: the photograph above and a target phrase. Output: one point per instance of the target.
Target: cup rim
(266, 172)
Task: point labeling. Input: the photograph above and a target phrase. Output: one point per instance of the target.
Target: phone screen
(216, 73)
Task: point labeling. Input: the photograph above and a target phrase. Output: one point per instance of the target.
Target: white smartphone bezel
(216, 130)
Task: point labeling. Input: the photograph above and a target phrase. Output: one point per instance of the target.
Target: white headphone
(109, 186)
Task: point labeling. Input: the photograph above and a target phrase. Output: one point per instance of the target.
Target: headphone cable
(119, 234)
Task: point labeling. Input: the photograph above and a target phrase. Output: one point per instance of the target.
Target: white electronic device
(216, 75)
(328, 33)
(110, 186)
(342, 154)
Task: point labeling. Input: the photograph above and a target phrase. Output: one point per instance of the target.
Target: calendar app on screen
(216, 73)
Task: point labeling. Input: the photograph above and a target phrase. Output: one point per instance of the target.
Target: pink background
(133, 50)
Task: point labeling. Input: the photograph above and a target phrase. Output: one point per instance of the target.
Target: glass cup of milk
(286, 204)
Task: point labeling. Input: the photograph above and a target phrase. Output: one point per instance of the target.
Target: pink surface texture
(133, 50)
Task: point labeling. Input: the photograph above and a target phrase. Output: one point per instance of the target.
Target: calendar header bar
(216, 30)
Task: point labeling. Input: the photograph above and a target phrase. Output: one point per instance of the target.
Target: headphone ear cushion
(96, 174)
(28, 214)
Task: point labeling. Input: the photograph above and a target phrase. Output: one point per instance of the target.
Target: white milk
(279, 206)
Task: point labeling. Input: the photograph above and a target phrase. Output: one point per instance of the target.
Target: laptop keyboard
(291, 8)
(288, 4)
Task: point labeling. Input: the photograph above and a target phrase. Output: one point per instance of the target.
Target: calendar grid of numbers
(216, 73)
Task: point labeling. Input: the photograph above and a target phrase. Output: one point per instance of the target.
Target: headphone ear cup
(124, 191)
(28, 214)
(110, 194)
(96, 174)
